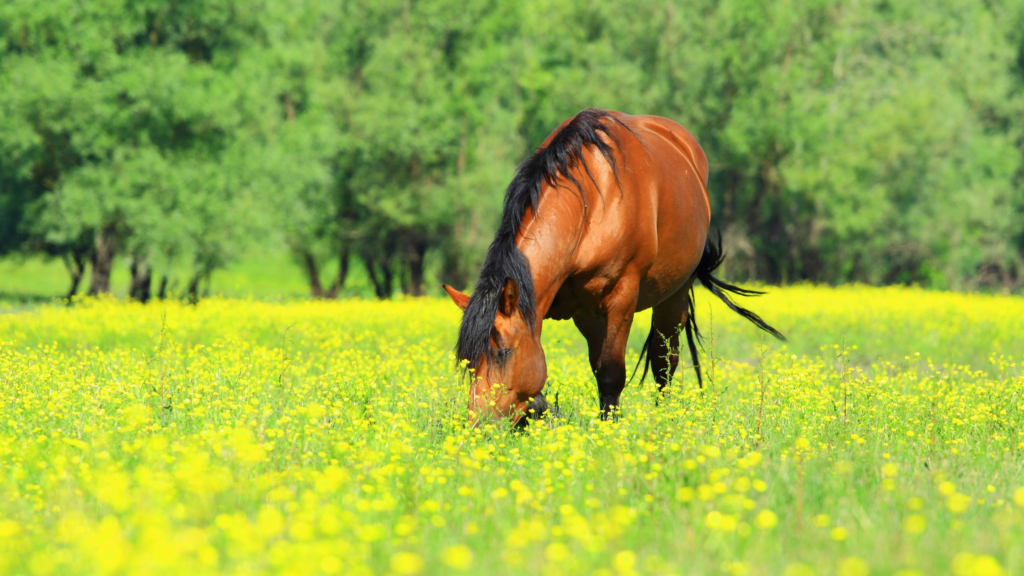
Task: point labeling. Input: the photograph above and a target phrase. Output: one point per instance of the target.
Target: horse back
(645, 215)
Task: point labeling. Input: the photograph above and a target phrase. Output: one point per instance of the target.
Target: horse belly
(564, 305)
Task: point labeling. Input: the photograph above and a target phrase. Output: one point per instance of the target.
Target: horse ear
(509, 298)
(460, 299)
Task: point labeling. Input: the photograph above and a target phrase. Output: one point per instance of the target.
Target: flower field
(239, 437)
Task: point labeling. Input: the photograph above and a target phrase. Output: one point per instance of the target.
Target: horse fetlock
(609, 406)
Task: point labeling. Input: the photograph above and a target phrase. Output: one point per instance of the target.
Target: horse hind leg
(668, 320)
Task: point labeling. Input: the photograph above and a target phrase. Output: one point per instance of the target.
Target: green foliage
(874, 142)
(120, 120)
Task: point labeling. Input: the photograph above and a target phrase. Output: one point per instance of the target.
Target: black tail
(709, 262)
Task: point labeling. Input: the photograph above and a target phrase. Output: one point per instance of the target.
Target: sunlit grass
(306, 438)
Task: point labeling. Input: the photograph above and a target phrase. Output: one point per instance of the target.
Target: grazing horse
(608, 217)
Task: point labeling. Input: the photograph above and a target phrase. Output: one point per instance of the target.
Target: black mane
(504, 261)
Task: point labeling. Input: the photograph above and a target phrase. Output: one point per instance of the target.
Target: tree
(872, 142)
(110, 103)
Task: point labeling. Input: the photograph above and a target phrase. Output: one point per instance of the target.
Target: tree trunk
(313, 275)
(75, 263)
(289, 108)
(729, 201)
(454, 271)
(193, 288)
(162, 293)
(339, 283)
(377, 288)
(142, 281)
(102, 262)
(403, 277)
(385, 269)
(381, 283)
(416, 269)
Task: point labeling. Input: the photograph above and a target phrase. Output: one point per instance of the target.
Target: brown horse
(608, 217)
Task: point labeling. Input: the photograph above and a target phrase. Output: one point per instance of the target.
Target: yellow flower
(741, 485)
(459, 557)
(330, 564)
(853, 566)
(1018, 497)
(557, 552)
(967, 564)
(9, 529)
(958, 503)
(406, 563)
(713, 520)
(199, 438)
(736, 568)
(766, 519)
(914, 524)
(624, 561)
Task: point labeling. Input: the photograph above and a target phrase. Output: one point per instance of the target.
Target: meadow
(247, 437)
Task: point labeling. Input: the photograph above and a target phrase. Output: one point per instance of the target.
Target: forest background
(850, 141)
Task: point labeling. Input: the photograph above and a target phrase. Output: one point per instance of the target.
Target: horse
(608, 217)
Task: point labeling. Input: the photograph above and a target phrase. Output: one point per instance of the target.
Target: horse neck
(549, 241)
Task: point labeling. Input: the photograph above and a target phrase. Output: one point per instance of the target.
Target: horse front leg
(606, 339)
(611, 370)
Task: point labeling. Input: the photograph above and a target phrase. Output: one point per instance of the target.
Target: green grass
(331, 437)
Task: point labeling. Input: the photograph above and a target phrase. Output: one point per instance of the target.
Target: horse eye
(501, 354)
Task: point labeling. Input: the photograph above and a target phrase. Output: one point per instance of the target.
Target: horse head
(505, 362)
